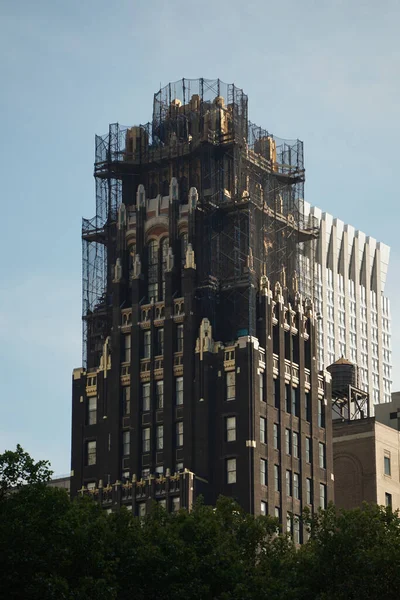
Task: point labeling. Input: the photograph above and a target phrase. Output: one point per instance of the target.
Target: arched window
(153, 270)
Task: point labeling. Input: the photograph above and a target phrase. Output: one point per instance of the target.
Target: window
(153, 271)
(179, 467)
(160, 341)
(147, 344)
(145, 473)
(288, 483)
(175, 504)
(322, 495)
(322, 455)
(263, 424)
(276, 436)
(296, 486)
(230, 385)
(145, 397)
(126, 443)
(289, 524)
(295, 411)
(184, 244)
(388, 499)
(309, 491)
(231, 470)
(141, 509)
(91, 453)
(307, 403)
(287, 398)
(277, 513)
(160, 470)
(127, 348)
(296, 529)
(146, 439)
(263, 508)
(321, 413)
(276, 393)
(179, 391)
(126, 401)
(263, 471)
(91, 485)
(261, 384)
(163, 504)
(160, 394)
(295, 445)
(160, 437)
(276, 478)
(179, 434)
(386, 463)
(92, 410)
(288, 442)
(230, 429)
(179, 338)
(308, 450)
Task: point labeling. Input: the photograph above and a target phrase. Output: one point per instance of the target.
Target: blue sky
(327, 73)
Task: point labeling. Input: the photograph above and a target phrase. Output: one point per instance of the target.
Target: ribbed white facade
(354, 313)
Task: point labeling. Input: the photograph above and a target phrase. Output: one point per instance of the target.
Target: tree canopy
(54, 548)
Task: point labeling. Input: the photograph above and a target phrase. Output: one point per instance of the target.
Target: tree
(18, 468)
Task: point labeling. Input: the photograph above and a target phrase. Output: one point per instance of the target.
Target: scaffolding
(250, 218)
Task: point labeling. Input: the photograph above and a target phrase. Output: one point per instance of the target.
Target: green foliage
(18, 468)
(52, 548)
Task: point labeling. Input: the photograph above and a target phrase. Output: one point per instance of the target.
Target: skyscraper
(199, 331)
(353, 312)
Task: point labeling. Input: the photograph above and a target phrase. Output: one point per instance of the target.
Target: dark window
(91, 453)
(276, 436)
(295, 445)
(321, 413)
(393, 415)
(179, 434)
(126, 401)
(288, 483)
(296, 485)
(147, 344)
(261, 385)
(160, 341)
(322, 455)
(153, 271)
(263, 436)
(276, 478)
(145, 397)
(387, 467)
(295, 407)
(288, 441)
(307, 402)
(160, 394)
(178, 391)
(160, 437)
(309, 490)
(179, 338)
(230, 426)
(308, 450)
(92, 410)
(263, 472)
(146, 439)
(127, 348)
(322, 495)
(126, 443)
(230, 385)
(388, 499)
(287, 399)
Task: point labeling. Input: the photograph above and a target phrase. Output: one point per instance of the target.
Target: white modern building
(353, 312)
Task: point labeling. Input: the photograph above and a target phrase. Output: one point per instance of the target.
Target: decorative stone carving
(193, 199)
(205, 342)
(117, 271)
(173, 190)
(140, 197)
(190, 262)
(137, 267)
(121, 216)
(170, 260)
